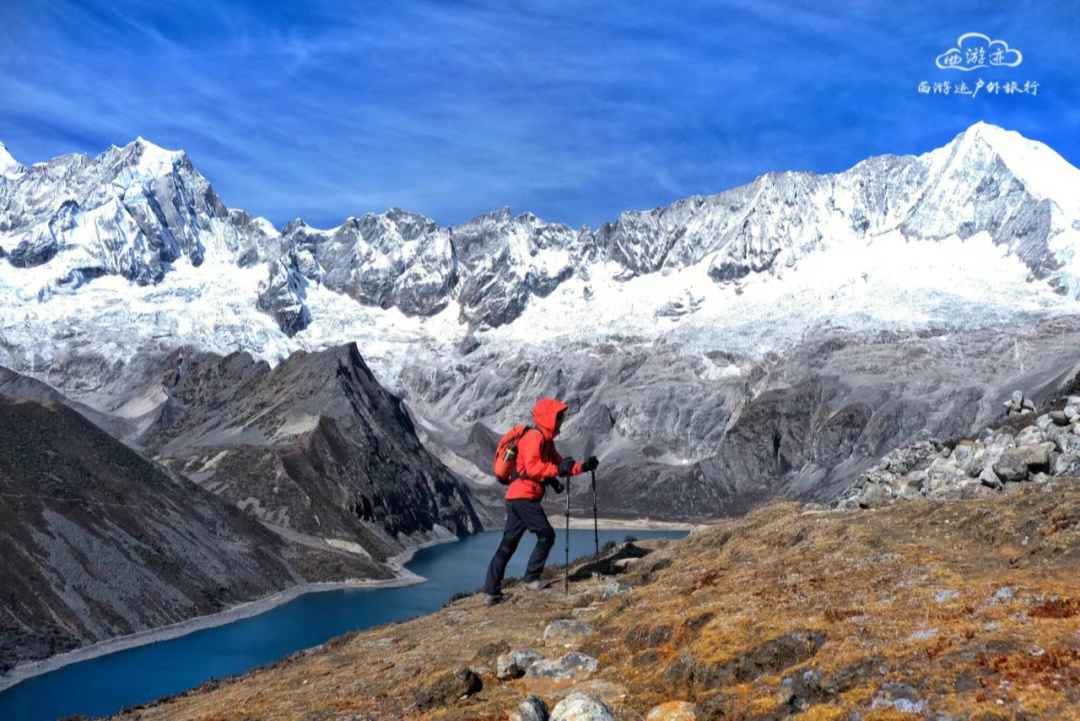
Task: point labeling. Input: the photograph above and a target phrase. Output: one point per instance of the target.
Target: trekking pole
(566, 566)
(595, 532)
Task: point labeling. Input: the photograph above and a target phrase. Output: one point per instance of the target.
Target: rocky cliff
(313, 444)
(98, 541)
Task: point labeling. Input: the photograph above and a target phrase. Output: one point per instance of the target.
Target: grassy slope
(908, 600)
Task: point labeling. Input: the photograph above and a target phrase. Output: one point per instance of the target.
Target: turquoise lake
(106, 684)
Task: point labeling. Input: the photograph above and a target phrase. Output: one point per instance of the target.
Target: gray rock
(283, 295)
(873, 496)
(515, 663)
(571, 665)
(609, 588)
(566, 630)
(963, 453)
(581, 707)
(448, 688)
(912, 486)
(1030, 436)
(532, 708)
(974, 465)
(989, 478)
(1072, 413)
(924, 635)
(1059, 418)
(1015, 463)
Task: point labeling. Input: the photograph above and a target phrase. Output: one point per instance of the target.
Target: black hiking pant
(521, 515)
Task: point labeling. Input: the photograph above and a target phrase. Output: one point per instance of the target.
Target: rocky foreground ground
(942, 609)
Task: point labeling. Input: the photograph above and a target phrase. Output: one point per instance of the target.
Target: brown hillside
(947, 610)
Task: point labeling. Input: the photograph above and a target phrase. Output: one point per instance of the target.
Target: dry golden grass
(965, 608)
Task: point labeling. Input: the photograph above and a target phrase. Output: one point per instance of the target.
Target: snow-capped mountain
(136, 210)
(667, 325)
(130, 211)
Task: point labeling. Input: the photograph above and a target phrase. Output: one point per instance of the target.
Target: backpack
(506, 455)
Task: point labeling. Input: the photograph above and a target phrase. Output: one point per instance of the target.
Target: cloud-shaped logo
(975, 50)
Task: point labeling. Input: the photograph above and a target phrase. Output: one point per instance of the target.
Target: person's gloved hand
(566, 468)
(556, 485)
(590, 464)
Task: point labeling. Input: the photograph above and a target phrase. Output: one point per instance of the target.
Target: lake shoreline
(255, 607)
(623, 524)
(246, 609)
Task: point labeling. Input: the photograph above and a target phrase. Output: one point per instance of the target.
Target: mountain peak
(149, 157)
(8, 165)
(1044, 173)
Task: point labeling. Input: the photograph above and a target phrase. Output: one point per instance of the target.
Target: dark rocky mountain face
(96, 541)
(678, 438)
(314, 445)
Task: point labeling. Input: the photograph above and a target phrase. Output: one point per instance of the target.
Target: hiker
(538, 464)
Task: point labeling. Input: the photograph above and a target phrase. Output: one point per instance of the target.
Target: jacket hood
(544, 413)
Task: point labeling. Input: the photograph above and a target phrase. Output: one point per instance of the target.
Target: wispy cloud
(572, 111)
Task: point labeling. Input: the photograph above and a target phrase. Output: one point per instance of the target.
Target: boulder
(1030, 436)
(911, 487)
(1058, 418)
(801, 691)
(1015, 463)
(974, 465)
(581, 707)
(532, 708)
(873, 496)
(571, 665)
(989, 478)
(515, 663)
(609, 588)
(963, 453)
(566, 631)
(447, 688)
(673, 711)
(1072, 413)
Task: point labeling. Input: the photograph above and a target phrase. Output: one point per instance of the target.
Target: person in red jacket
(538, 465)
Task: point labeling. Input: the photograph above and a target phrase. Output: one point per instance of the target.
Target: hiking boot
(538, 584)
(490, 599)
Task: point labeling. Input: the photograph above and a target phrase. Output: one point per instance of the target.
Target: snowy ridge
(981, 231)
(130, 211)
(9, 167)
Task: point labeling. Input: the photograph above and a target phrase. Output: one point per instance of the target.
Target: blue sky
(575, 112)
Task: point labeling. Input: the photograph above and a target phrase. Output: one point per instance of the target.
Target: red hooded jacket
(537, 459)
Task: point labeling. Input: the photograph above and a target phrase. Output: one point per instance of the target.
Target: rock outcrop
(1028, 448)
(314, 445)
